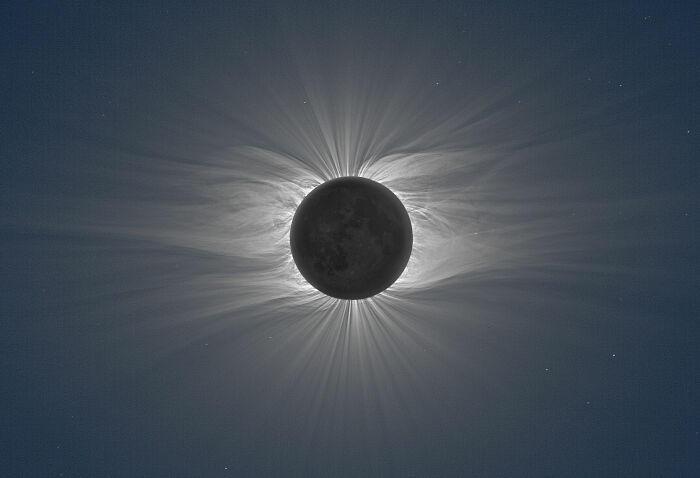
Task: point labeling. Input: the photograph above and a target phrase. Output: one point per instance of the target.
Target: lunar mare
(351, 238)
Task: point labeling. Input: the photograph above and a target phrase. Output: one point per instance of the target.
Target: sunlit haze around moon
(504, 286)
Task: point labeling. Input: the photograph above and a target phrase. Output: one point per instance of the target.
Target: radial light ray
(484, 169)
(476, 212)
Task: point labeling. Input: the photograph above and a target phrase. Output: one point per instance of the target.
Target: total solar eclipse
(351, 238)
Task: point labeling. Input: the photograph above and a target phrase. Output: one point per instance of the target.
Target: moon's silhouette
(351, 238)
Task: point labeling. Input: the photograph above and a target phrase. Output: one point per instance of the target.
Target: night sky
(152, 321)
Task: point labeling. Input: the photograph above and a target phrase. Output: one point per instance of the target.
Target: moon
(351, 238)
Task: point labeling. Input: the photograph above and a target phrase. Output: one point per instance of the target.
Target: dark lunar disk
(351, 238)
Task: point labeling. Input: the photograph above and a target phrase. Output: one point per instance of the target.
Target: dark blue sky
(148, 329)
